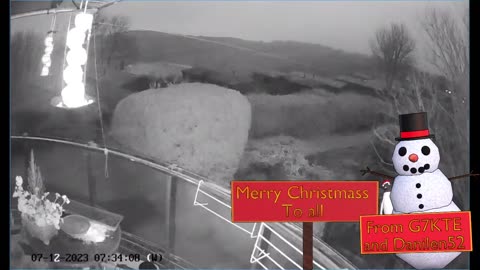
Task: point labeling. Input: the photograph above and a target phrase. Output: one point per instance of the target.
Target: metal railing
(261, 232)
(96, 6)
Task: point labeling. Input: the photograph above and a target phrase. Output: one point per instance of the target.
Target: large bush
(200, 127)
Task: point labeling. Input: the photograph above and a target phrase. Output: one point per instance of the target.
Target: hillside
(240, 58)
(318, 58)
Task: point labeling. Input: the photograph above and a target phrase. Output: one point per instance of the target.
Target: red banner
(303, 201)
(409, 233)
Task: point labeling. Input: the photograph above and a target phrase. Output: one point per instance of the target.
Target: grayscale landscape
(302, 105)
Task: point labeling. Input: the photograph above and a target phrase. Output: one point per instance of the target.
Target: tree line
(444, 96)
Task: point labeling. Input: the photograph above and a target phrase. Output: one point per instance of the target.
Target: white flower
(38, 208)
(45, 195)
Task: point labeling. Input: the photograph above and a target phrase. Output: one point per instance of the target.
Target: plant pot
(43, 233)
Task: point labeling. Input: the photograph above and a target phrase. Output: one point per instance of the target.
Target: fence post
(92, 181)
(171, 203)
(307, 245)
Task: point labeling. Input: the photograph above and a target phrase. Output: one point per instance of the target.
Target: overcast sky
(346, 25)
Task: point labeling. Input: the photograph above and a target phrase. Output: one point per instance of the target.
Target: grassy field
(311, 115)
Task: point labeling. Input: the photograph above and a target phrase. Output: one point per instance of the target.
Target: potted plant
(41, 217)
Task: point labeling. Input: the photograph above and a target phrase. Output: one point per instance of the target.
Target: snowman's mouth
(414, 170)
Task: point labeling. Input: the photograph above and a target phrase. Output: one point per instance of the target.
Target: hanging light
(77, 57)
(46, 58)
(73, 94)
(75, 38)
(49, 40)
(49, 50)
(45, 71)
(84, 21)
(73, 74)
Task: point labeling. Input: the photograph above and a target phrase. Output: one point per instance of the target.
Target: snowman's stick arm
(376, 173)
(382, 175)
(463, 176)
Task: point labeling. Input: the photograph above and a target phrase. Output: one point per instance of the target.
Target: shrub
(280, 156)
(137, 84)
(309, 115)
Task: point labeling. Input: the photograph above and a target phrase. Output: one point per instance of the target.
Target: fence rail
(263, 234)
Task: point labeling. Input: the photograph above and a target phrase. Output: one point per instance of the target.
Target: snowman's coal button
(413, 170)
(420, 206)
(405, 168)
(418, 185)
(419, 195)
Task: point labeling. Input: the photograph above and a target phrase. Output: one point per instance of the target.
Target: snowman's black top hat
(414, 126)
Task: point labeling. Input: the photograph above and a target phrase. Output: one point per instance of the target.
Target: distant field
(309, 115)
(227, 54)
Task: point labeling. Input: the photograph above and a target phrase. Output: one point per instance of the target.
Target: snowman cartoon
(420, 185)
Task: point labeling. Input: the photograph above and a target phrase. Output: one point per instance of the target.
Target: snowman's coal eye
(402, 151)
(426, 150)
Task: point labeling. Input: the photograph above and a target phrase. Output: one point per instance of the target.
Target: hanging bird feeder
(73, 94)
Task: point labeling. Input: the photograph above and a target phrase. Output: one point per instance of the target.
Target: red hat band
(414, 134)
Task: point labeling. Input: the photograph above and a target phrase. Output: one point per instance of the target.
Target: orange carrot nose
(413, 158)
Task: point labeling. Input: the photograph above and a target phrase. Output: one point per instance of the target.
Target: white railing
(258, 253)
(205, 205)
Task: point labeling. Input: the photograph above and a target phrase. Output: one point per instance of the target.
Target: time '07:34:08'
(117, 257)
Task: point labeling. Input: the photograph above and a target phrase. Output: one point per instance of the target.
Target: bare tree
(392, 48)
(109, 41)
(449, 47)
(110, 25)
(447, 34)
(448, 38)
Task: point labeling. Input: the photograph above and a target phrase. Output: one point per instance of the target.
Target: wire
(85, 9)
(75, 4)
(100, 115)
(54, 20)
